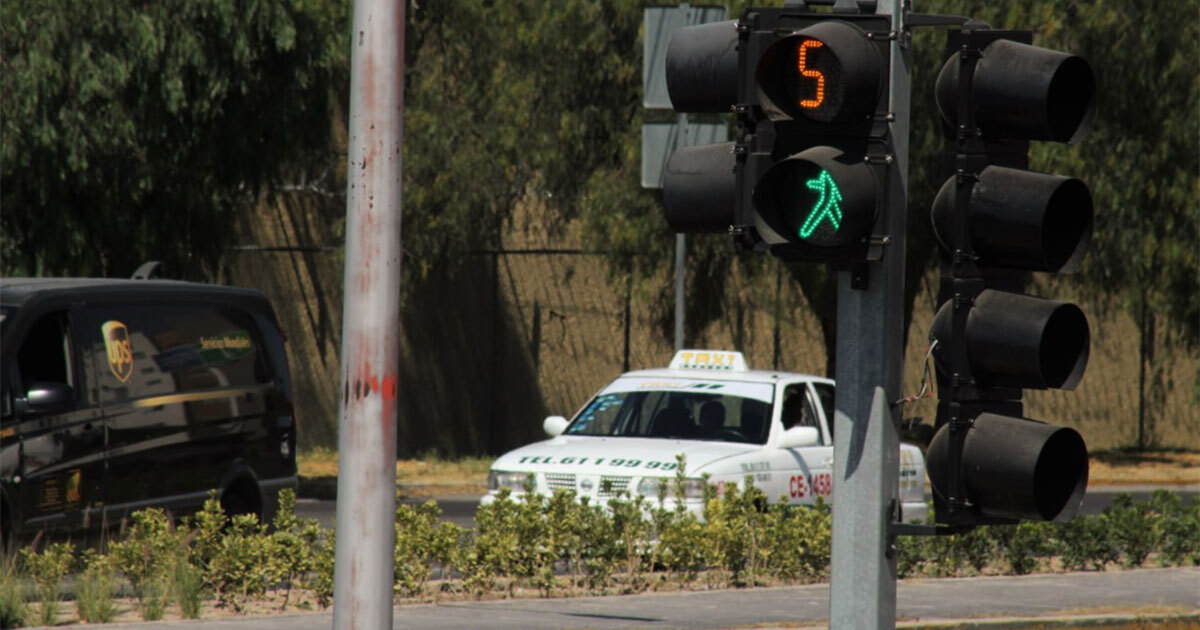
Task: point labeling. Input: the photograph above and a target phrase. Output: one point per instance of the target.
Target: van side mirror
(796, 437)
(554, 425)
(46, 398)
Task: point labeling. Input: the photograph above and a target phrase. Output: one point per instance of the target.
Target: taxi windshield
(687, 415)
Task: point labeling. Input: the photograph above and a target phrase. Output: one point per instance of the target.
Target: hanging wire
(928, 387)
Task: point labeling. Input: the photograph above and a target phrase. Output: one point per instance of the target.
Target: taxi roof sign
(714, 360)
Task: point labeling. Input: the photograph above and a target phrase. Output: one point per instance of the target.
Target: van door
(59, 449)
(179, 384)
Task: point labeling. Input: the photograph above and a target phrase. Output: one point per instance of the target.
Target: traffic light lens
(810, 204)
(814, 80)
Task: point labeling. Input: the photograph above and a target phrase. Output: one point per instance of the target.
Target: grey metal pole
(869, 369)
(680, 247)
(362, 585)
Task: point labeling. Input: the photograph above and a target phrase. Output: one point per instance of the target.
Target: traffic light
(806, 177)
(996, 222)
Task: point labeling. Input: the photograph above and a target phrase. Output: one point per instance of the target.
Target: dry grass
(427, 476)
(1166, 468)
(431, 476)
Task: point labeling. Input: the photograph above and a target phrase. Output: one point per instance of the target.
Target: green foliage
(292, 546)
(147, 556)
(1025, 545)
(14, 610)
(1084, 543)
(136, 130)
(1180, 523)
(48, 568)
(207, 527)
(735, 532)
(241, 566)
(1134, 529)
(188, 583)
(93, 588)
(797, 541)
(421, 541)
(320, 581)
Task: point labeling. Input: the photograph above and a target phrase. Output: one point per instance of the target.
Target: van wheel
(241, 497)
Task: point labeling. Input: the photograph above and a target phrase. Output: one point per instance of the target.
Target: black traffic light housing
(806, 178)
(996, 222)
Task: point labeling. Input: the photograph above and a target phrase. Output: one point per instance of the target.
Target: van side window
(154, 349)
(825, 393)
(45, 353)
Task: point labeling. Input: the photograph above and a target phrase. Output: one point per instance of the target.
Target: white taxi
(729, 422)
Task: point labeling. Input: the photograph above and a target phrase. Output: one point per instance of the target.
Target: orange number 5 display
(802, 60)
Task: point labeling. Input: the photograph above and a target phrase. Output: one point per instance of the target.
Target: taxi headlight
(515, 481)
(649, 487)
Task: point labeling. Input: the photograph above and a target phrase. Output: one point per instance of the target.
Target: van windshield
(674, 414)
(6, 313)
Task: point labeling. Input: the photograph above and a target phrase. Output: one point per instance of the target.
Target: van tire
(242, 497)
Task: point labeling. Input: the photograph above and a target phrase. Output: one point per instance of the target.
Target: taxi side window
(825, 394)
(798, 408)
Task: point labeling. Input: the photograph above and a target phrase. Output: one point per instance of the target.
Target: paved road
(461, 509)
(1176, 589)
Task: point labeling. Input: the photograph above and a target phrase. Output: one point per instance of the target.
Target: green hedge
(553, 546)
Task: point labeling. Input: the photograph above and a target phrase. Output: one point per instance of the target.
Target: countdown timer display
(827, 73)
(815, 84)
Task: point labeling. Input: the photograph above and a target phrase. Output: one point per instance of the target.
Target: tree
(135, 130)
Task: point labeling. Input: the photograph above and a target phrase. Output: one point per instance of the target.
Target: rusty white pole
(366, 501)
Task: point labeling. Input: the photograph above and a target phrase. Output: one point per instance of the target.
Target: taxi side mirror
(554, 425)
(796, 437)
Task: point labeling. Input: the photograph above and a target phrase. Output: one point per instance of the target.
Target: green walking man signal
(828, 206)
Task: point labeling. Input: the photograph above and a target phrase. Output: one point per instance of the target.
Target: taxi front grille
(560, 481)
(612, 486)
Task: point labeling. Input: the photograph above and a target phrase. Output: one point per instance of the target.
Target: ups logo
(119, 348)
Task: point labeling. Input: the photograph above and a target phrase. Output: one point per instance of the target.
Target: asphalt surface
(460, 509)
(925, 600)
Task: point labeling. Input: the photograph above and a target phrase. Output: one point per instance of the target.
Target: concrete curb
(1072, 621)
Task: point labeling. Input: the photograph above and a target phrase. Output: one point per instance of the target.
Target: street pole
(680, 250)
(870, 326)
(370, 321)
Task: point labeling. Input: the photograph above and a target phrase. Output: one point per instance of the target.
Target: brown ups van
(124, 394)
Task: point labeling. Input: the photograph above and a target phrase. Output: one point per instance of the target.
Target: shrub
(1024, 545)
(734, 531)
(1179, 540)
(239, 568)
(320, 581)
(491, 551)
(797, 542)
(1134, 529)
(47, 569)
(14, 610)
(93, 589)
(146, 557)
(1084, 544)
(421, 541)
(292, 546)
